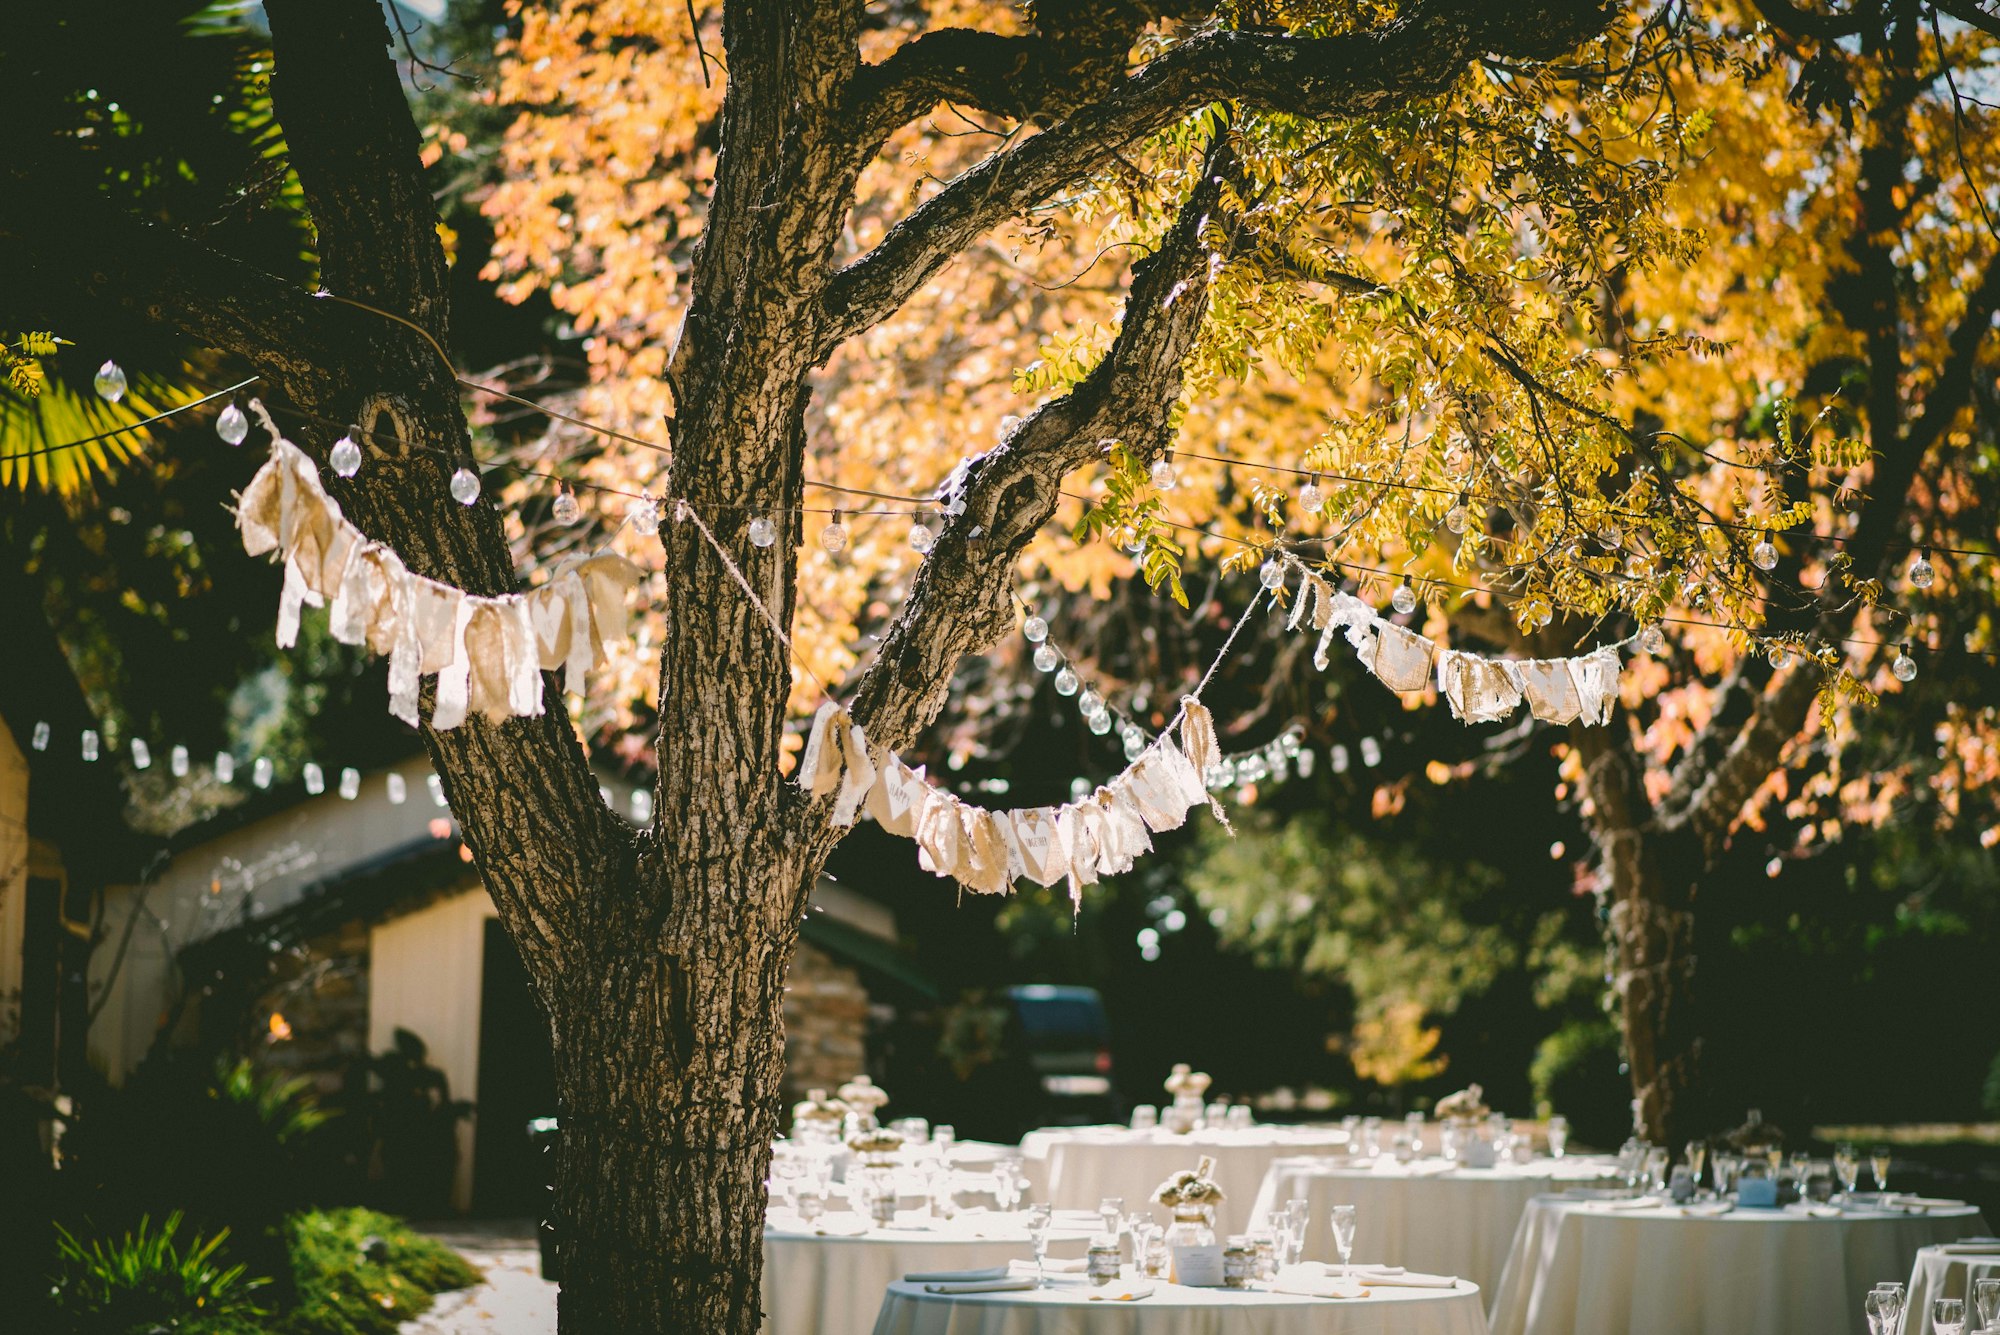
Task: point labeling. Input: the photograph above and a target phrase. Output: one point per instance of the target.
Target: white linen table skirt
(1426, 1215)
(1947, 1272)
(1076, 1167)
(1583, 1268)
(820, 1279)
(1066, 1309)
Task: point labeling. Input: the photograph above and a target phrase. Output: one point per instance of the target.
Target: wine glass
(1884, 1308)
(1847, 1167)
(1040, 1218)
(1558, 1136)
(1697, 1159)
(1343, 1236)
(1986, 1297)
(1948, 1316)
(944, 1136)
(1878, 1161)
(1296, 1219)
(1111, 1209)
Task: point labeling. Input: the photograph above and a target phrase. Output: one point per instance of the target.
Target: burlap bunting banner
(487, 654)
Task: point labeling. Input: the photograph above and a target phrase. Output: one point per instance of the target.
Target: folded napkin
(955, 1276)
(1120, 1292)
(839, 1226)
(983, 1286)
(1972, 1248)
(1813, 1211)
(1707, 1209)
(1307, 1285)
(1637, 1203)
(1922, 1202)
(1409, 1279)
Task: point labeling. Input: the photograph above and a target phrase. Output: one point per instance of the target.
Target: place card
(1198, 1267)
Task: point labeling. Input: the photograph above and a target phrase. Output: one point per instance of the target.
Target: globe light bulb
(1133, 738)
(40, 739)
(262, 772)
(1904, 666)
(1066, 682)
(1035, 629)
(1404, 599)
(232, 425)
(109, 382)
(315, 778)
(1311, 497)
(345, 456)
(833, 538)
(921, 537)
(1271, 574)
(465, 486)
(142, 755)
(644, 516)
(1371, 752)
(1764, 555)
(1090, 702)
(1455, 519)
(1922, 573)
(399, 790)
(1652, 640)
(1252, 768)
(350, 783)
(1099, 723)
(763, 533)
(565, 510)
(90, 743)
(1781, 657)
(1134, 747)
(1046, 658)
(177, 762)
(225, 767)
(1163, 473)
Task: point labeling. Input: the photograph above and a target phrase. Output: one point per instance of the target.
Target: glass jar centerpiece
(1466, 1127)
(863, 1098)
(872, 1181)
(1192, 1195)
(818, 1120)
(1758, 1148)
(1187, 1085)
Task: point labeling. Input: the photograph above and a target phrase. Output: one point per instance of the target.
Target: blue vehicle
(1059, 1039)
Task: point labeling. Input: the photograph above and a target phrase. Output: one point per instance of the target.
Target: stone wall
(826, 1024)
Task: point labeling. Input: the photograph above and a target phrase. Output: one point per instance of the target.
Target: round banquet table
(1076, 1167)
(1428, 1214)
(1947, 1271)
(1585, 1267)
(1066, 1308)
(827, 1277)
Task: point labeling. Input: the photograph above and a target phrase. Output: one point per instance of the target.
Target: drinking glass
(1947, 1316)
(1240, 1117)
(1697, 1159)
(1986, 1297)
(1296, 1220)
(1371, 1136)
(810, 1204)
(1801, 1170)
(944, 1136)
(1878, 1161)
(1558, 1136)
(1040, 1217)
(1007, 1184)
(1343, 1236)
(911, 1129)
(1414, 1124)
(1847, 1167)
(1111, 1209)
(1889, 1298)
(1655, 1169)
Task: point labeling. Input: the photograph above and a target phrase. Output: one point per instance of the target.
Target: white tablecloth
(1425, 1215)
(1066, 1309)
(1580, 1268)
(1076, 1167)
(819, 1280)
(1947, 1272)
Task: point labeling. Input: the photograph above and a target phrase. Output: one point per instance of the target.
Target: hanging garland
(487, 654)
(1479, 689)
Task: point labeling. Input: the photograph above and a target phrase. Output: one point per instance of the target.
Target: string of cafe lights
(345, 457)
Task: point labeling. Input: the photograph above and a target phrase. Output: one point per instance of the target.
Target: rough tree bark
(660, 958)
(1654, 855)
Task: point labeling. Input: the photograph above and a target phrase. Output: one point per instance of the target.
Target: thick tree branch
(960, 601)
(1419, 55)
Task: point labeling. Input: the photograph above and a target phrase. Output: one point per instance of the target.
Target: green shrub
(143, 1283)
(1576, 1072)
(362, 1273)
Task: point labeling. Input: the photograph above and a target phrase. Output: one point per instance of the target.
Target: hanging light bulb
(262, 772)
(1765, 554)
(142, 755)
(1271, 574)
(1133, 737)
(921, 536)
(40, 739)
(1652, 640)
(1066, 682)
(1371, 752)
(1046, 658)
(1135, 746)
(565, 510)
(1090, 702)
(1303, 762)
(1781, 657)
(1611, 536)
(1099, 723)
(833, 538)
(1034, 629)
(1292, 740)
(465, 486)
(1253, 768)
(1404, 599)
(763, 533)
(225, 767)
(90, 743)
(435, 787)
(1311, 497)
(345, 456)
(644, 516)
(109, 382)
(350, 783)
(1338, 758)
(1905, 667)
(231, 424)
(315, 778)
(1922, 573)
(1163, 473)
(641, 807)
(1456, 518)
(177, 762)
(398, 789)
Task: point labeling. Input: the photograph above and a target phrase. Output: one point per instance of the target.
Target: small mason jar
(1102, 1263)
(1239, 1263)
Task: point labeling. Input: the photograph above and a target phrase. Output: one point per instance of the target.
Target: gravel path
(514, 1300)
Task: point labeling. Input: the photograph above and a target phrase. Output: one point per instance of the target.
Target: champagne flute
(1558, 1136)
(1040, 1218)
(1109, 1211)
(1343, 1236)
(1847, 1167)
(1697, 1159)
(1986, 1297)
(1888, 1299)
(1948, 1316)
(1878, 1160)
(1297, 1218)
